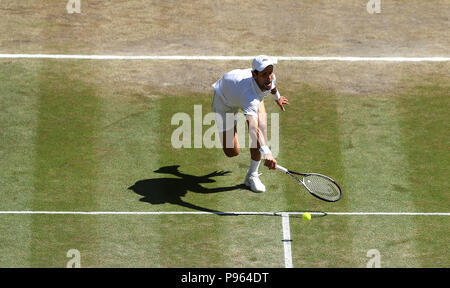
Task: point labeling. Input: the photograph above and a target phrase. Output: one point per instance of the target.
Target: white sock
(254, 166)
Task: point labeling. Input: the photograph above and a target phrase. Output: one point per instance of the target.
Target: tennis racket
(320, 186)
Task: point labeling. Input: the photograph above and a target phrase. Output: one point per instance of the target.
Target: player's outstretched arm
(259, 142)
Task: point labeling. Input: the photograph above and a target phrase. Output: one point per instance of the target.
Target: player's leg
(252, 177)
(226, 125)
(230, 143)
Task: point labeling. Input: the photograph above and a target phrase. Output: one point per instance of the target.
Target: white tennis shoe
(254, 183)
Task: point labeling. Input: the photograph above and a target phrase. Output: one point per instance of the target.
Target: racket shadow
(158, 191)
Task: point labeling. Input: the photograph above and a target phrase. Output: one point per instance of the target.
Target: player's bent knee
(231, 152)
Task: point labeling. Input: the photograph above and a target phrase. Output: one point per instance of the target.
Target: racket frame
(293, 173)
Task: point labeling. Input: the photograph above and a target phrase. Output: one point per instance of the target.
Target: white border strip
(222, 58)
(275, 213)
(286, 240)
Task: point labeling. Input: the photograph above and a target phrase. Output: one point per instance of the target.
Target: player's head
(262, 71)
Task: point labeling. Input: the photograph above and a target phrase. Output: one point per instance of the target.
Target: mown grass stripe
(424, 126)
(127, 149)
(183, 183)
(18, 117)
(310, 142)
(66, 165)
(376, 172)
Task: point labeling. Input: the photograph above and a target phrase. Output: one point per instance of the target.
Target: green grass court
(92, 135)
(69, 145)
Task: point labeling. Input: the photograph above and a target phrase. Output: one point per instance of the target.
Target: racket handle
(279, 167)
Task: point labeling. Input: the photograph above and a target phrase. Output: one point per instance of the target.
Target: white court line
(284, 219)
(286, 240)
(274, 213)
(222, 58)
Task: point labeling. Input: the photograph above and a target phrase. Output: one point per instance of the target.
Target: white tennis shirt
(238, 89)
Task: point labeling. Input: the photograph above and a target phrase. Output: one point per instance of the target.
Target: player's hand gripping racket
(320, 186)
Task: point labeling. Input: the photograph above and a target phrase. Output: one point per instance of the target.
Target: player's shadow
(171, 190)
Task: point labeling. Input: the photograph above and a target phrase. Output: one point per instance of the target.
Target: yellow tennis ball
(306, 216)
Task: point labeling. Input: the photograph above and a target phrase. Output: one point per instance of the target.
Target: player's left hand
(283, 100)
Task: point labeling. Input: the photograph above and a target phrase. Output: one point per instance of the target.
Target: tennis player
(246, 89)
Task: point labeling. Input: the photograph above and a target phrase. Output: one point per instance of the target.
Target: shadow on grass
(170, 190)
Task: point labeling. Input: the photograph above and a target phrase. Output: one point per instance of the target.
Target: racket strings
(322, 187)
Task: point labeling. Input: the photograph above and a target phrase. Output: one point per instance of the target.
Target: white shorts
(226, 117)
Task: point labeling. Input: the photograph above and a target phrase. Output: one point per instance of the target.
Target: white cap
(262, 61)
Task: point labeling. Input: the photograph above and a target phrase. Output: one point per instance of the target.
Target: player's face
(264, 78)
